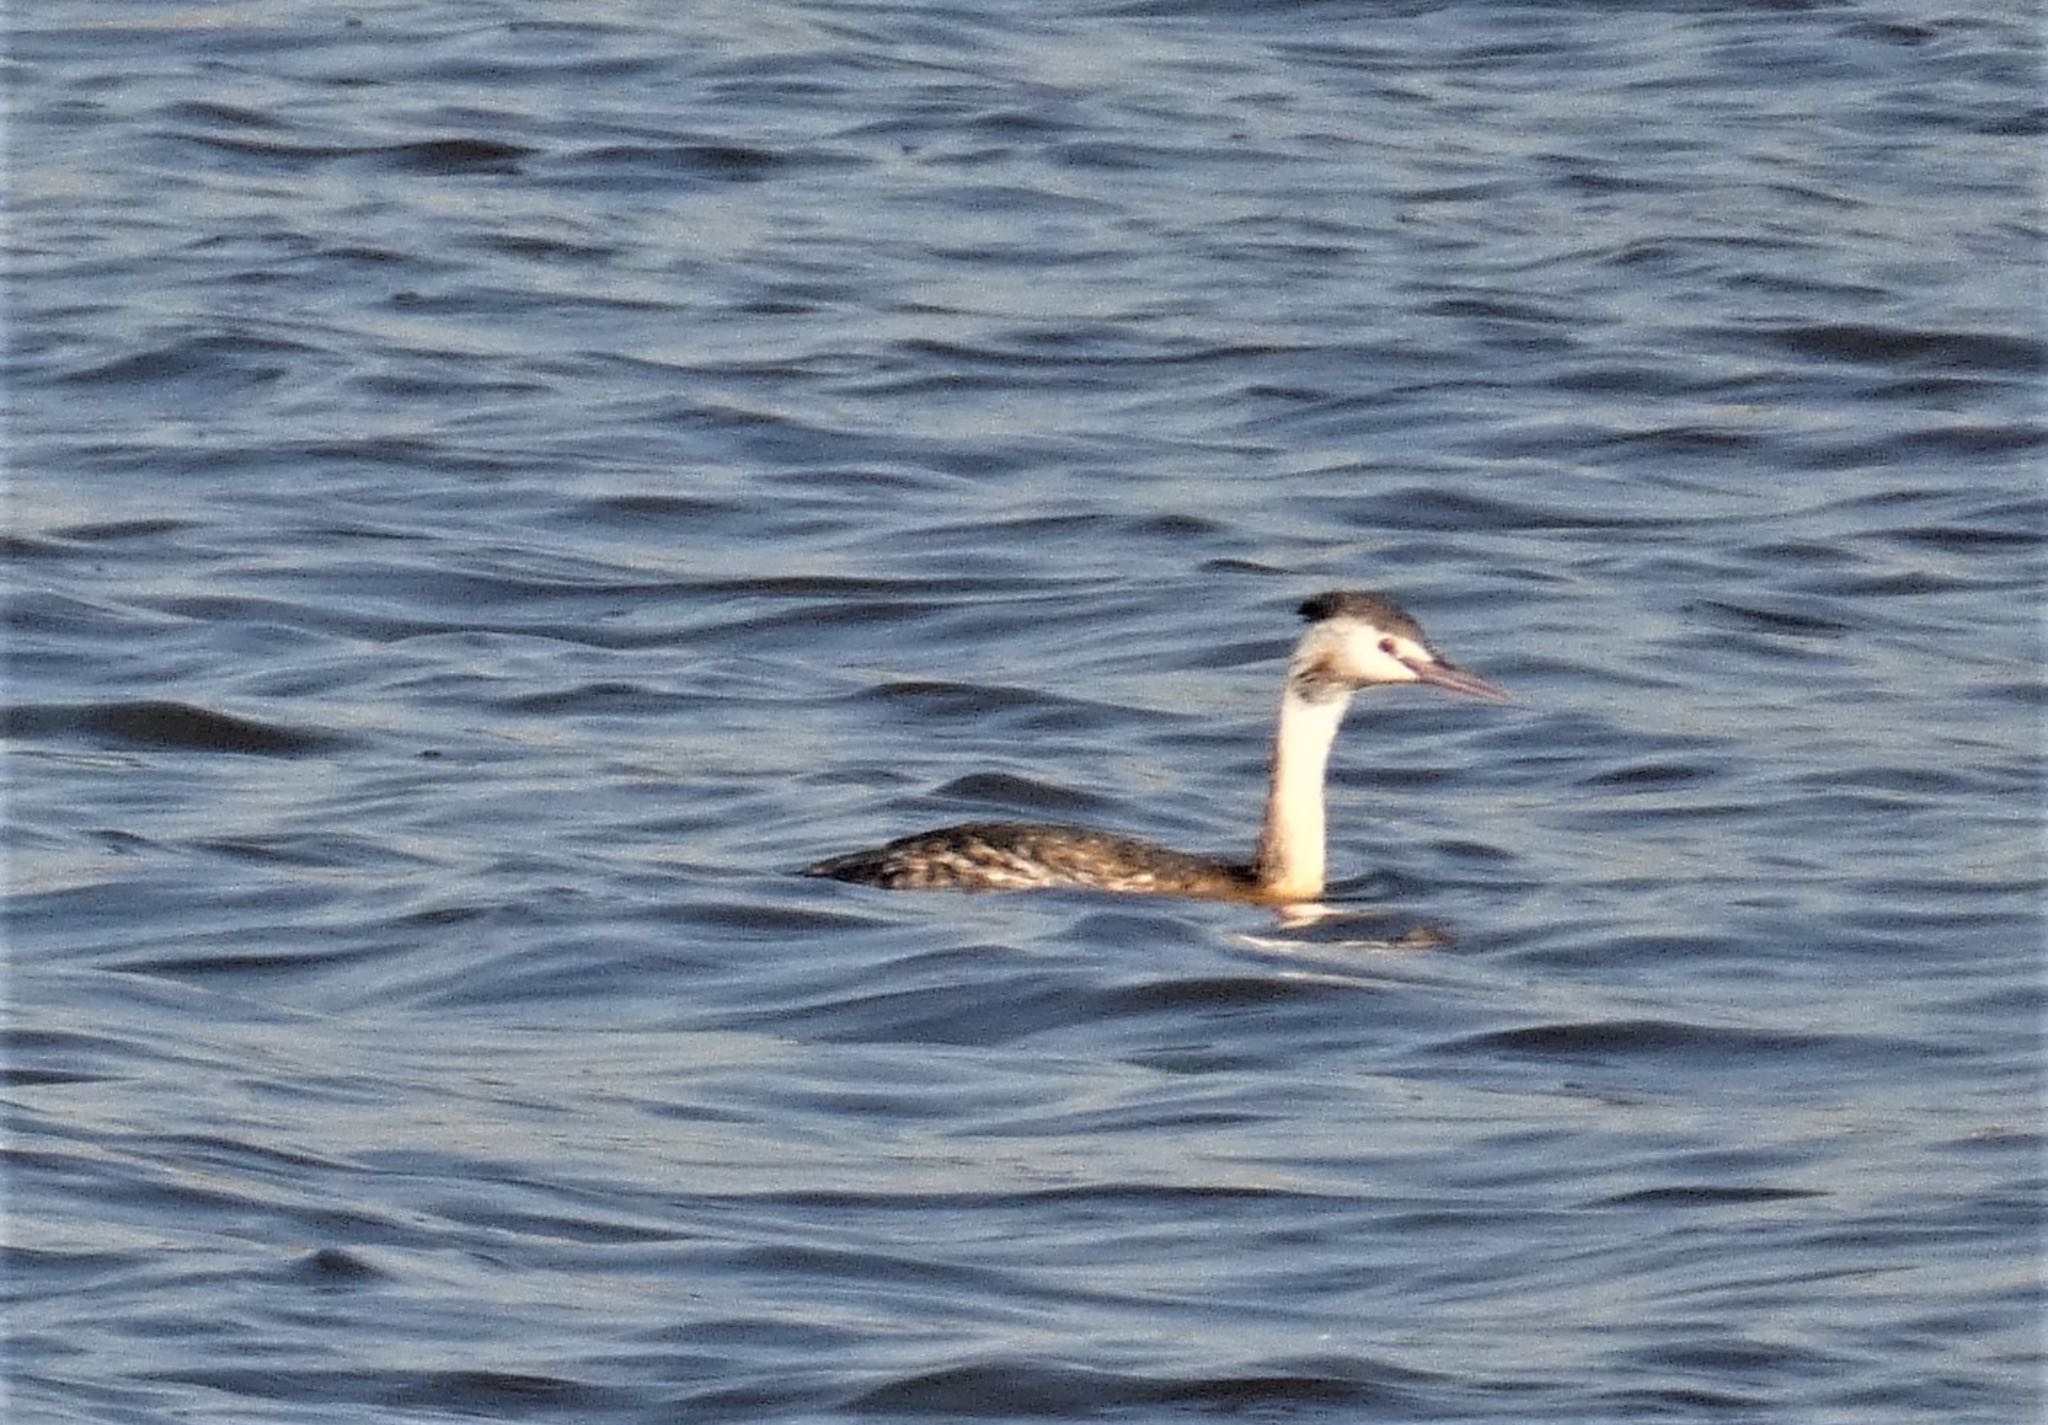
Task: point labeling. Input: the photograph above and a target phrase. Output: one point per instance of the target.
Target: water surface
(492, 494)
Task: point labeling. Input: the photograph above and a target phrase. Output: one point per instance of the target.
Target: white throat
(1290, 860)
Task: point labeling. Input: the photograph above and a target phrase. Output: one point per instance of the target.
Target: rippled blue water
(492, 494)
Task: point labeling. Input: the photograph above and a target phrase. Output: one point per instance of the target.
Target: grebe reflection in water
(1354, 641)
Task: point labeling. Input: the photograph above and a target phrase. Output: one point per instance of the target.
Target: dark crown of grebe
(1354, 640)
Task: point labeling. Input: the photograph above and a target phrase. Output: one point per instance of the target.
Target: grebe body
(1023, 856)
(1354, 641)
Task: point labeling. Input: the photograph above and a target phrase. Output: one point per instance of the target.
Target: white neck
(1289, 864)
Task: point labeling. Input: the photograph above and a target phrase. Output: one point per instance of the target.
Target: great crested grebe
(1355, 640)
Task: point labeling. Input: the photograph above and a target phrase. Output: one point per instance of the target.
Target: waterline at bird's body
(1354, 641)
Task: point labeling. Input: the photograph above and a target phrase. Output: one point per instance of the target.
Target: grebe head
(1358, 640)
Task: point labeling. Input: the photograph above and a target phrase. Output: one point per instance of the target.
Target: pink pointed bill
(1456, 680)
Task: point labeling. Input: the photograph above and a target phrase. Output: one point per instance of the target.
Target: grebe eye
(1387, 646)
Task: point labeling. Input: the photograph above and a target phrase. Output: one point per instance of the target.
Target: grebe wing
(1006, 855)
